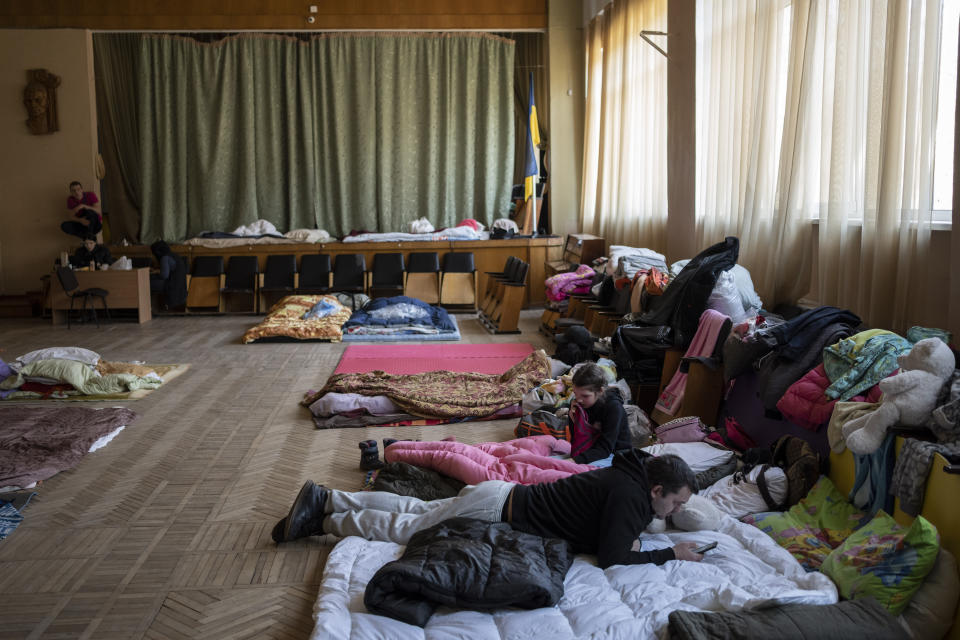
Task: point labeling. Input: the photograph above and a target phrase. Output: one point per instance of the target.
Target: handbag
(688, 429)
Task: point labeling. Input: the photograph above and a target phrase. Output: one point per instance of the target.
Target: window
(946, 103)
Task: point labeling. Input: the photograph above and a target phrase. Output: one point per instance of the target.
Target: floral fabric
(445, 394)
(813, 527)
(560, 286)
(885, 561)
(285, 319)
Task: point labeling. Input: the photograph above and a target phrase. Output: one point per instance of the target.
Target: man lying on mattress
(601, 512)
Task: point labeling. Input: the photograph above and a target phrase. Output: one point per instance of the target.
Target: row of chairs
(499, 309)
(601, 319)
(211, 284)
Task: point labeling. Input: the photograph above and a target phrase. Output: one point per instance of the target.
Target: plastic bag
(725, 298)
(421, 225)
(123, 263)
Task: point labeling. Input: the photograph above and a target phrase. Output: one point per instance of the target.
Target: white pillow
(61, 353)
(557, 367)
(699, 514)
(699, 455)
(740, 499)
(929, 614)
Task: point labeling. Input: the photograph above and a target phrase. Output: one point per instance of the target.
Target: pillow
(557, 367)
(813, 527)
(929, 614)
(884, 560)
(743, 497)
(698, 514)
(61, 353)
(699, 455)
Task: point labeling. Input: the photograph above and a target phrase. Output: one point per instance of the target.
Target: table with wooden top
(129, 289)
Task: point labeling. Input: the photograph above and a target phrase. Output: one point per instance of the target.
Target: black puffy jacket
(469, 564)
(685, 298)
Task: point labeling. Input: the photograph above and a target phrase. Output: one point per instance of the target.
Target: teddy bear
(909, 397)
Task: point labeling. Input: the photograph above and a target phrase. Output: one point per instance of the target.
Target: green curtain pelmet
(337, 131)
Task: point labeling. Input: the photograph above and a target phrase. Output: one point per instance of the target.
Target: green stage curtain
(337, 131)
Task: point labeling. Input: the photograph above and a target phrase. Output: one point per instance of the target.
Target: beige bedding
(285, 320)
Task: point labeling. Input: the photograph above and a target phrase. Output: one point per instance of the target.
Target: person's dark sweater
(99, 255)
(601, 512)
(608, 416)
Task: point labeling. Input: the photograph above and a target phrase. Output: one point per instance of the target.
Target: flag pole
(533, 203)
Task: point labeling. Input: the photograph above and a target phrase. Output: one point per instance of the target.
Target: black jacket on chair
(685, 298)
(470, 564)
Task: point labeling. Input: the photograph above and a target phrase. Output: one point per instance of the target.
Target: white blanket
(747, 570)
(451, 233)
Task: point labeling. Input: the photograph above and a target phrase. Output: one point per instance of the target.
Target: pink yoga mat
(417, 358)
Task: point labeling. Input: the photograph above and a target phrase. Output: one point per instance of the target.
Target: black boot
(305, 517)
(277, 533)
(369, 456)
(389, 441)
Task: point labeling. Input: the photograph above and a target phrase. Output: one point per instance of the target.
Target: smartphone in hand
(706, 547)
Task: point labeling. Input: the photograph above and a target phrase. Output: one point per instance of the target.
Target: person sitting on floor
(89, 251)
(86, 206)
(604, 420)
(600, 512)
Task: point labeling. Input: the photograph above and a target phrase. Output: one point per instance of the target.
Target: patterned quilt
(444, 394)
(285, 320)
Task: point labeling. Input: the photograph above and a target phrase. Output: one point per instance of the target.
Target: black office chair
(314, 273)
(387, 276)
(350, 275)
(241, 277)
(68, 279)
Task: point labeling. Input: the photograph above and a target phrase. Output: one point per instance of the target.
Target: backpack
(543, 423)
(800, 463)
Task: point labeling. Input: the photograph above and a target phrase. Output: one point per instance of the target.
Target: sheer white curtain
(624, 195)
(859, 81)
(742, 57)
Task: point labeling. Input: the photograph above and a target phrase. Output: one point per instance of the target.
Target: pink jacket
(524, 461)
(805, 402)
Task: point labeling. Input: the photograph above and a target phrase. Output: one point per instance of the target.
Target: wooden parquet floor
(165, 533)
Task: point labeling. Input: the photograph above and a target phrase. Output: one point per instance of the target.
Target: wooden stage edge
(489, 255)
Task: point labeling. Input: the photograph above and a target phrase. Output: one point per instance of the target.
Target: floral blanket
(444, 394)
(285, 320)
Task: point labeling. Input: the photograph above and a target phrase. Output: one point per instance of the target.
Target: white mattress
(747, 570)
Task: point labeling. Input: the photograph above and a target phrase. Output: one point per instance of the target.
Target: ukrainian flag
(531, 172)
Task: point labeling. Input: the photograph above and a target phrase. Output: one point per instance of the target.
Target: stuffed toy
(909, 397)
